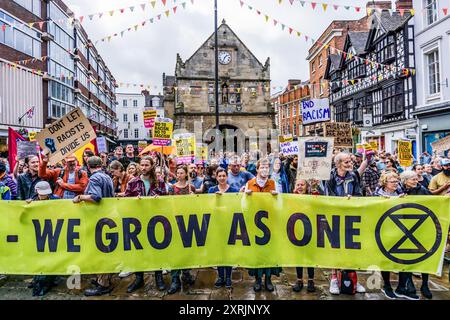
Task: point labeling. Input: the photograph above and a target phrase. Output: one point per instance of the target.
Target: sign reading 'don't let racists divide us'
(315, 156)
(162, 132)
(66, 135)
(250, 231)
(405, 157)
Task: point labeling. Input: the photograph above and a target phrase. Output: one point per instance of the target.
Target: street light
(216, 60)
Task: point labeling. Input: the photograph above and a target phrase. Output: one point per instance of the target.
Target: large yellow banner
(196, 231)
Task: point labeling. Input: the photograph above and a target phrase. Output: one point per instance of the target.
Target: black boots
(175, 286)
(258, 285)
(187, 279)
(138, 282)
(268, 284)
(159, 281)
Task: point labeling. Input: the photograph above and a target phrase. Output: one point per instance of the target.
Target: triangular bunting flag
(111, 13)
(325, 6)
(164, 2)
(153, 3)
(175, 9)
(267, 17)
(184, 5)
(167, 13)
(143, 6)
(290, 30)
(445, 10)
(313, 5)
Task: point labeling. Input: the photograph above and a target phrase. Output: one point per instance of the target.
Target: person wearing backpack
(69, 181)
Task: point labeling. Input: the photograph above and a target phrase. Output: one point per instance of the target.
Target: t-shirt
(438, 181)
(70, 180)
(239, 180)
(146, 185)
(216, 189)
(197, 182)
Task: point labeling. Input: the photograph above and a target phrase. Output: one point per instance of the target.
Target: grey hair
(406, 175)
(339, 156)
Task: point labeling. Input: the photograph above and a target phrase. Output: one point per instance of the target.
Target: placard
(315, 157)
(26, 148)
(66, 135)
(201, 153)
(101, 145)
(32, 135)
(149, 118)
(285, 138)
(405, 157)
(441, 145)
(289, 148)
(185, 145)
(162, 132)
(342, 133)
(142, 145)
(316, 110)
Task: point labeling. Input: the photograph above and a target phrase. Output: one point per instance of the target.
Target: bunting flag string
(308, 38)
(317, 5)
(90, 17)
(143, 23)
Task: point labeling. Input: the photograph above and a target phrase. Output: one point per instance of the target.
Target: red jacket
(81, 179)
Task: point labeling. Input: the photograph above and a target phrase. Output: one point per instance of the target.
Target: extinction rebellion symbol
(408, 249)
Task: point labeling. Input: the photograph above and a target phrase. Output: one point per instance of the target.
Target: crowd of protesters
(124, 174)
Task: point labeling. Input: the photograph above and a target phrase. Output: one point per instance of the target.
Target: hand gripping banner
(196, 231)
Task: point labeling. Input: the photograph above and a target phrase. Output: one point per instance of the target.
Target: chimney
(403, 4)
(383, 5)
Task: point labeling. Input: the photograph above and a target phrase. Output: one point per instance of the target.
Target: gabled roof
(356, 40)
(333, 62)
(386, 23)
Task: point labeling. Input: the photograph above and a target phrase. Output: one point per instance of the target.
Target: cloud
(143, 56)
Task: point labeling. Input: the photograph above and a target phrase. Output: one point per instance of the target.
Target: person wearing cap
(42, 284)
(100, 186)
(69, 181)
(440, 184)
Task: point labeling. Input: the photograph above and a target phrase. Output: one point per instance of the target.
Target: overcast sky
(142, 56)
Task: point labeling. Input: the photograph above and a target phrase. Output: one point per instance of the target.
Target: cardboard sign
(149, 118)
(289, 148)
(405, 157)
(316, 110)
(360, 148)
(315, 156)
(26, 148)
(342, 133)
(441, 145)
(185, 144)
(374, 144)
(66, 135)
(162, 132)
(101, 145)
(142, 145)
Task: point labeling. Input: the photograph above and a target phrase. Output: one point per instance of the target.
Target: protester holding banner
(120, 178)
(210, 178)
(26, 182)
(100, 186)
(237, 177)
(279, 176)
(343, 182)
(68, 182)
(146, 185)
(390, 187)
(303, 187)
(423, 180)
(42, 284)
(262, 183)
(8, 181)
(224, 273)
(440, 184)
(181, 187)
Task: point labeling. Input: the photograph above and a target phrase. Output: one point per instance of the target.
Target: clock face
(224, 57)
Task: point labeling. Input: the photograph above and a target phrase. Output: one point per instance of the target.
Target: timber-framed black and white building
(372, 83)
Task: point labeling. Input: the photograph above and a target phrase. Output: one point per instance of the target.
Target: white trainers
(124, 274)
(334, 286)
(360, 288)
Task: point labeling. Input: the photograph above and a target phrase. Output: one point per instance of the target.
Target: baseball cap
(43, 188)
(358, 155)
(445, 162)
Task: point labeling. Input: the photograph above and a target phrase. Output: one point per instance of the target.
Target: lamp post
(216, 67)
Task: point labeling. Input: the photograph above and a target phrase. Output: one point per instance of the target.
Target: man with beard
(195, 179)
(26, 182)
(69, 182)
(440, 184)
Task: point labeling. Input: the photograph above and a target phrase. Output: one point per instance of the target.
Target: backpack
(347, 281)
(54, 186)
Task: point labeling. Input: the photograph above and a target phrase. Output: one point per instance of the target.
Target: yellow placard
(405, 157)
(163, 130)
(258, 230)
(32, 135)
